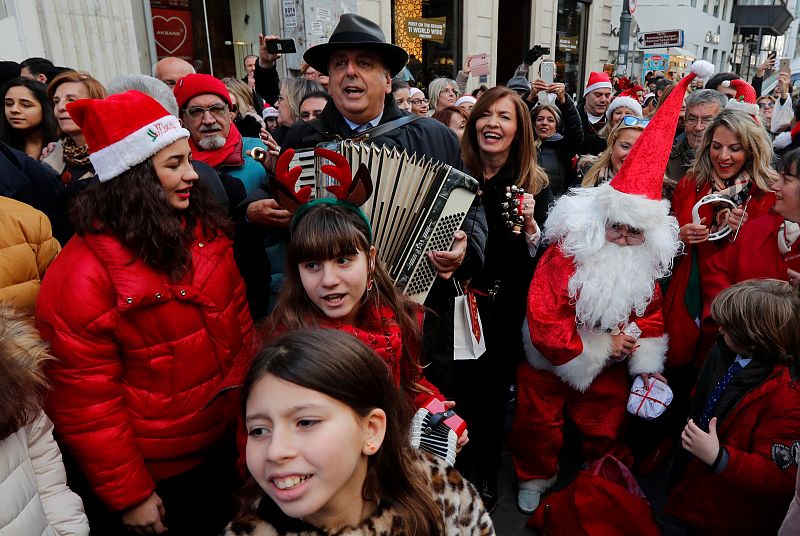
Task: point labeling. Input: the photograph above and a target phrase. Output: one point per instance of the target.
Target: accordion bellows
(416, 206)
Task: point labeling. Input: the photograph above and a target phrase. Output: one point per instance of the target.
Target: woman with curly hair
(145, 312)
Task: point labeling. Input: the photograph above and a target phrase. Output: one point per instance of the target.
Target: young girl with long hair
(28, 123)
(327, 447)
(333, 279)
(146, 313)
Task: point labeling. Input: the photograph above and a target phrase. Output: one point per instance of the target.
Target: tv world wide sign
(662, 39)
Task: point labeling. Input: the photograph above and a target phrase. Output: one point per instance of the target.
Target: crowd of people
(183, 349)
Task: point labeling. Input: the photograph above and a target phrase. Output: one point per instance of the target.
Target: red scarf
(229, 154)
(381, 332)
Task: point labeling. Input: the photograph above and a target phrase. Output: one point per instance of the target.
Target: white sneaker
(528, 500)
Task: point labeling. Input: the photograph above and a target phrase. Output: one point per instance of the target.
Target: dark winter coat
(680, 159)
(593, 143)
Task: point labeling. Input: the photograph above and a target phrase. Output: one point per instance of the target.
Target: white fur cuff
(580, 371)
(649, 357)
(540, 484)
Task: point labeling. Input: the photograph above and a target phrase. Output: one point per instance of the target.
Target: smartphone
(281, 46)
(479, 64)
(773, 57)
(786, 66)
(547, 74)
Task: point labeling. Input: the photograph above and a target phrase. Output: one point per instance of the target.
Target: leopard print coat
(462, 509)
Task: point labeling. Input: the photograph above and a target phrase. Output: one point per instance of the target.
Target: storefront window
(433, 51)
(571, 28)
(183, 28)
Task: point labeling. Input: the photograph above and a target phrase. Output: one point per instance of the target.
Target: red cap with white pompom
(745, 99)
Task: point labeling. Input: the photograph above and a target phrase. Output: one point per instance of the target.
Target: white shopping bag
(469, 341)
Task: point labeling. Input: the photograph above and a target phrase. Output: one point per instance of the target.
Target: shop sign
(431, 29)
(712, 37)
(568, 44)
(666, 38)
(656, 62)
(173, 33)
(289, 14)
(169, 4)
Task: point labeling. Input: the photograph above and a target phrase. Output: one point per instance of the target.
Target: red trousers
(542, 401)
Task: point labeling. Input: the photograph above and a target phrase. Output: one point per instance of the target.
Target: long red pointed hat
(642, 173)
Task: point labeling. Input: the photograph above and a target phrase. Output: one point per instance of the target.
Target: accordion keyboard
(436, 430)
(416, 206)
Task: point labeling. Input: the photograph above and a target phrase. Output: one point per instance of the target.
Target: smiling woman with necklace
(734, 161)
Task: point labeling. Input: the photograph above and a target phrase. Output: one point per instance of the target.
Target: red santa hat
(193, 85)
(634, 92)
(597, 81)
(745, 99)
(634, 194)
(124, 130)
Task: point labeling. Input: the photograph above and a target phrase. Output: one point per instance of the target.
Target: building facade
(111, 37)
(707, 32)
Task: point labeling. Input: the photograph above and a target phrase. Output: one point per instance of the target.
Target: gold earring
(370, 446)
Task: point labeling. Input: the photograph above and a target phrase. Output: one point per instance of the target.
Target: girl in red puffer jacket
(146, 312)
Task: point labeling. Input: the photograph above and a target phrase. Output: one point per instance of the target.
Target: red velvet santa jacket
(574, 353)
(680, 325)
(138, 357)
(751, 495)
(755, 254)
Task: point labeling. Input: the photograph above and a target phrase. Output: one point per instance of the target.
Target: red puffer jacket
(138, 359)
(751, 495)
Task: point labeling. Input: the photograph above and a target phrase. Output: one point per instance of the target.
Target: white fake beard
(613, 283)
(211, 143)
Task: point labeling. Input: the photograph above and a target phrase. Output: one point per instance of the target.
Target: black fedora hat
(355, 31)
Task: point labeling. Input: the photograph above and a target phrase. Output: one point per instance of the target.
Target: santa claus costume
(588, 289)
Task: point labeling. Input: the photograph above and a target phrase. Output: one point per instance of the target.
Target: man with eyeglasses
(702, 107)
(206, 111)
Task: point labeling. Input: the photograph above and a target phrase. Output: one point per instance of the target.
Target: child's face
(309, 452)
(734, 345)
(336, 286)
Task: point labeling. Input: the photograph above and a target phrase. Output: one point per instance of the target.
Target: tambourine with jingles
(722, 230)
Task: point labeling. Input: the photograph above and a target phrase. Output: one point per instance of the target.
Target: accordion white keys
(416, 206)
(436, 430)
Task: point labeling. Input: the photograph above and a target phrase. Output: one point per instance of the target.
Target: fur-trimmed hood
(22, 354)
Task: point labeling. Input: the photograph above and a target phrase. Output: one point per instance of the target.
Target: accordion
(416, 206)
(436, 430)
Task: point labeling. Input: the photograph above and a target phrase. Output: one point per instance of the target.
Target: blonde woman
(620, 143)
(735, 161)
(245, 117)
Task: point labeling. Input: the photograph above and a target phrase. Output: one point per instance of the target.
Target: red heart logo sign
(170, 33)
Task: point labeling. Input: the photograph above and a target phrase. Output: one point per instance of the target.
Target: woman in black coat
(558, 133)
(499, 150)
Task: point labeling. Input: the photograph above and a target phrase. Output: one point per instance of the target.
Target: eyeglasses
(692, 120)
(633, 236)
(767, 104)
(313, 114)
(418, 102)
(218, 110)
(632, 121)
